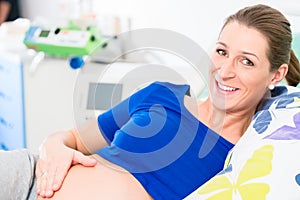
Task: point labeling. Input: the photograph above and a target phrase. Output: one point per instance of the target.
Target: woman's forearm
(86, 138)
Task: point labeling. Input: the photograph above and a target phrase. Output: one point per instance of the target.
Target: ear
(279, 74)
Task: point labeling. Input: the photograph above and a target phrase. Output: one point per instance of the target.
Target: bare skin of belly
(104, 181)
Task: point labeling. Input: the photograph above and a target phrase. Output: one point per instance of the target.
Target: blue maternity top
(153, 136)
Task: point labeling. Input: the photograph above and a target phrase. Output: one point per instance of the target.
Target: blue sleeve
(112, 120)
(109, 124)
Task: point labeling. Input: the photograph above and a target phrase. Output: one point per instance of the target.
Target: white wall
(195, 19)
(198, 20)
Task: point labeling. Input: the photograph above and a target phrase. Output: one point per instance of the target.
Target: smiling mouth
(226, 88)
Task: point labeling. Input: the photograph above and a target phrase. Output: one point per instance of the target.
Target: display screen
(44, 33)
(102, 96)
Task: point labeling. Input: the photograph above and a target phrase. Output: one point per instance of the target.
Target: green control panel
(64, 42)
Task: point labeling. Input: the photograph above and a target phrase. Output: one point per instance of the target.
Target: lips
(226, 88)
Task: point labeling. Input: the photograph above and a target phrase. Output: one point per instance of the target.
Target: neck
(230, 125)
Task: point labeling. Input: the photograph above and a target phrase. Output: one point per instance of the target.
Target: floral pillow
(265, 163)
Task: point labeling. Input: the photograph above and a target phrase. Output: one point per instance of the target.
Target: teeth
(226, 88)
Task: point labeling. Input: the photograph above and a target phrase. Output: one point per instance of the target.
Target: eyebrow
(244, 52)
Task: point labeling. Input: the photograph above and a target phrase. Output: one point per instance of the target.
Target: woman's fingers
(39, 176)
(59, 176)
(80, 158)
(45, 179)
(46, 184)
(51, 173)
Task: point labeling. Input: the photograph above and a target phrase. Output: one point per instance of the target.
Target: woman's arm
(63, 149)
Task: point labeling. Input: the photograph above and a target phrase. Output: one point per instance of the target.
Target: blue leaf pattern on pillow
(262, 121)
(297, 178)
(280, 99)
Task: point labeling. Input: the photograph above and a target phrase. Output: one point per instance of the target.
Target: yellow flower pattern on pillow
(225, 187)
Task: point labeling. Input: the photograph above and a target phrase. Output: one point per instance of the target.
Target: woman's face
(240, 74)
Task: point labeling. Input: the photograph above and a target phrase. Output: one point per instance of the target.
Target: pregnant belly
(104, 181)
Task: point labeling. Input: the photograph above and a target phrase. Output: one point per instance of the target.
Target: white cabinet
(48, 98)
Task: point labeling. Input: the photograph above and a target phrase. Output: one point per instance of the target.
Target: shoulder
(158, 88)
(160, 93)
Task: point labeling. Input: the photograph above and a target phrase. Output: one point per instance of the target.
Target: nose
(227, 69)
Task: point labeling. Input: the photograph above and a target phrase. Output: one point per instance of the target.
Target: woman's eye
(221, 52)
(247, 62)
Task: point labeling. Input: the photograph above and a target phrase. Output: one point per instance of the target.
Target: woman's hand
(55, 160)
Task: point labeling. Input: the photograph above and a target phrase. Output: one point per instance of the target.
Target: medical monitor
(102, 96)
